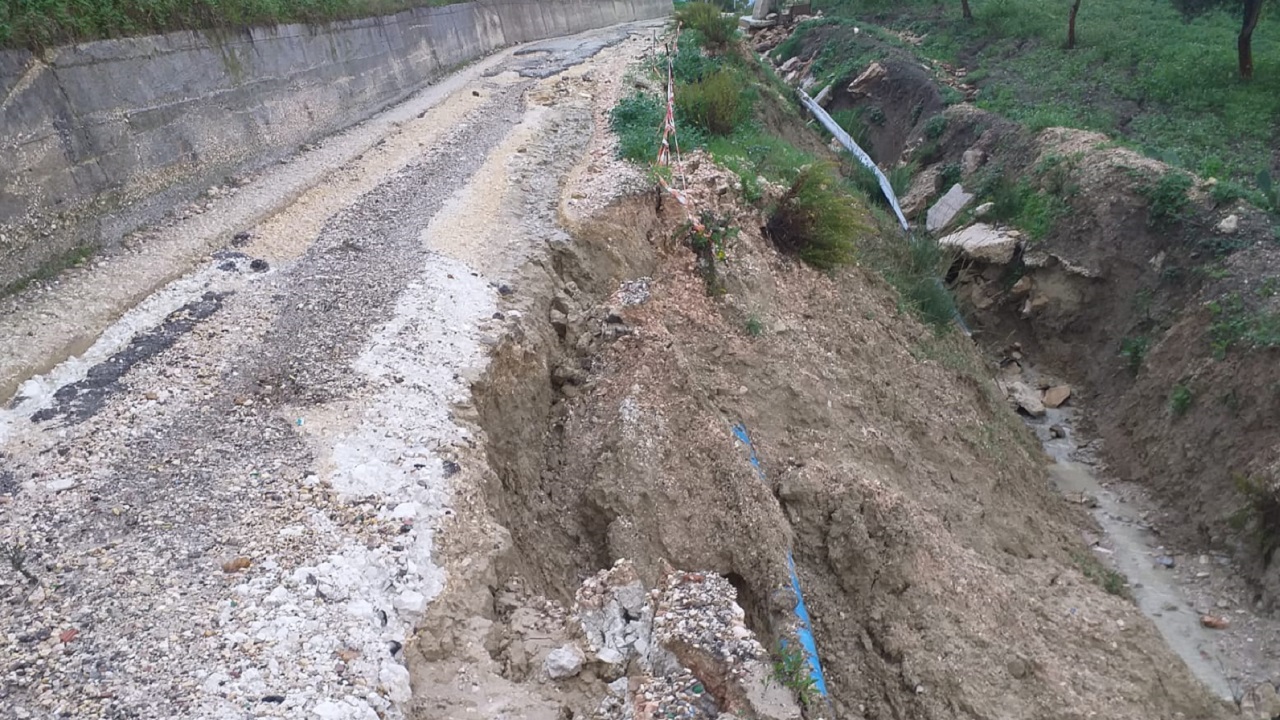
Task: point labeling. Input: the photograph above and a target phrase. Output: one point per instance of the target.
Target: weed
(876, 116)
(1180, 399)
(1167, 200)
(949, 176)
(1106, 578)
(1134, 351)
(637, 120)
(50, 269)
(1019, 203)
(900, 178)
(714, 28)
(1235, 324)
(710, 245)
(914, 268)
(816, 220)
(792, 670)
(755, 326)
(935, 127)
(17, 557)
(716, 103)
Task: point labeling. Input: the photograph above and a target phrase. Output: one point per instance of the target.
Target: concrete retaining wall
(100, 138)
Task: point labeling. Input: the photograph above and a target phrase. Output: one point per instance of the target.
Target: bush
(1167, 198)
(815, 220)
(715, 28)
(715, 103)
(637, 119)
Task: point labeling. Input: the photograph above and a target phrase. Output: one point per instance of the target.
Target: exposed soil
(1112, 272)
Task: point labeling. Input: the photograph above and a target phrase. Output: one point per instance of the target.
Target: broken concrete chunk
(972, 159)
(982, 242)
(874, 72)
(1229, 225)
(1025, 398)
(984, 209)
(1055, 396)
(563, 662)
(948, 207)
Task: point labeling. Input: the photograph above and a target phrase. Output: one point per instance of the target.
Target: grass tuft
(816, 220)
(715, 29)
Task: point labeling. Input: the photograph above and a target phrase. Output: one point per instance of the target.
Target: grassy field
(42, 23)
(1140, 72)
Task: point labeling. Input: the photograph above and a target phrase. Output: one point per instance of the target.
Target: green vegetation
(714, 103)
(711, 245)
(715, 30)
(914, 268)
(637, 120)
(1180, 399)
(1106, 578)
(1021, 203)
(755, 326)
(1167, 199)
(1235, 324)
(1134, 351)
(1259, 519)
(816, 219)
(51, 269)
(42, 23)
(825, 218)
(791, 669)
(1141, 71)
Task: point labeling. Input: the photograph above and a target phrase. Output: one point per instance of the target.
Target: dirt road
(222, 505)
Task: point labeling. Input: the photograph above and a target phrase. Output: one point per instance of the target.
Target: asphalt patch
(81, 400)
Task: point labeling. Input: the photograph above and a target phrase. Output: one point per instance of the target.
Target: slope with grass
(1140, 72)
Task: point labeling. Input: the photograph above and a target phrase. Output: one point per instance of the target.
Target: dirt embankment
(939, 567)
(1153, 292)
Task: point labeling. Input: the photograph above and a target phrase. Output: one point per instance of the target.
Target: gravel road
(222, 504)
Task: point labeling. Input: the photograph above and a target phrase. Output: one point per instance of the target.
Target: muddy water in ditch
(1131, 548)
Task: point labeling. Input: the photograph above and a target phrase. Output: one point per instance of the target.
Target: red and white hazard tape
(669, 137)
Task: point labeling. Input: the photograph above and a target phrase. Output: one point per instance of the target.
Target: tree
(1071, 25)
(1251, 11)
(1244, 45)
(964, 7)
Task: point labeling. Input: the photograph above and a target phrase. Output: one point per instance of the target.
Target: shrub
(715, 28)
(637, 120)
(1167, 198)
(815, 220)
(914, 267)
(1134, 351)
(935, 127)
(715, 103)
(1180, 399)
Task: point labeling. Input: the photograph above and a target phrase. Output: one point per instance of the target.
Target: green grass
(716, 103)
(715, 31)
(637, 120)
(1167, 201)
(42, 23)
(1141, 72)
(1021, 204)
(1106, 578)
(51, 269)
